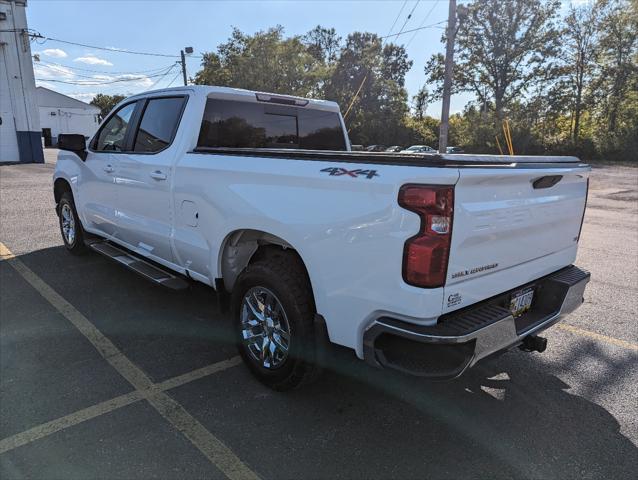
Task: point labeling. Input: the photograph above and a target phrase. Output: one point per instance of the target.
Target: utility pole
(447, 80)
(183, 62)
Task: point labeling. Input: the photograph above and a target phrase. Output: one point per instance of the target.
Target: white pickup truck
(421, 263)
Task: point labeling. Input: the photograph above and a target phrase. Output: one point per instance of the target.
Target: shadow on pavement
(509, 417)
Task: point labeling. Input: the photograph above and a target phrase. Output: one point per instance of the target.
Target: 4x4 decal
(337, 172)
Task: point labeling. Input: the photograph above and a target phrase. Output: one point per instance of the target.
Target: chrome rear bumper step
(460, 339)
(149, 271)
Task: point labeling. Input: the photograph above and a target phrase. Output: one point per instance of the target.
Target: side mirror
(74, 143)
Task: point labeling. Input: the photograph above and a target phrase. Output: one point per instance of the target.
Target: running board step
(146, 269)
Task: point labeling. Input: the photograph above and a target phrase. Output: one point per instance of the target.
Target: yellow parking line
(199, 373)
(48, 428)
(597, 336)
(214, 449)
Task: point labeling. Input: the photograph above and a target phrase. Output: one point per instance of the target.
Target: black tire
(74, 244)
(282, 274)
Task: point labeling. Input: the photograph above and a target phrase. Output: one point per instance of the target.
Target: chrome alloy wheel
(264, 327)
(68, 224)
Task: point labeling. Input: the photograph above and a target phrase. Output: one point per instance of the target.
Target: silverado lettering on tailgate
(474, 270)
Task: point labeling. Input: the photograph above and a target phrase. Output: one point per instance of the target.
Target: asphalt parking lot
(103, 375)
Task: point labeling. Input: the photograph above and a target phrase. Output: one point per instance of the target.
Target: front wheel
(273, 311)
(70, 226)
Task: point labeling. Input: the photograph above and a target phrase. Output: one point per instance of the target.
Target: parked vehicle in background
(394, 148)
(375, 148)
(423, 267)
(419, 149)
(454, 150)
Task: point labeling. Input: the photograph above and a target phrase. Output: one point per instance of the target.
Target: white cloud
(104, 78)
(52, 71)
(83, 96)
(49, 85)
(93, 60)
(54, 52)
(141, 80)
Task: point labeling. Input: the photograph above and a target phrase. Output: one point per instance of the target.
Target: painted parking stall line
(49, 428)
(62, 423)
(597, 336)
(214, 449)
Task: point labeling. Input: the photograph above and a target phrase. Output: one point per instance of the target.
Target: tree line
(566, 81)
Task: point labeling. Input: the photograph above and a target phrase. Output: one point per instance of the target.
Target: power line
(174, 78)
(398, 15)
(427, 15)
(60, 69)
(96, 83)
(112, 49)
(163, 76)
(416, 29)
(104, 48)
(407, 19)
(73, 67)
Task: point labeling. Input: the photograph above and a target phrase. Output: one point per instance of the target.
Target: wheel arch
(60, 186)
(243, 246)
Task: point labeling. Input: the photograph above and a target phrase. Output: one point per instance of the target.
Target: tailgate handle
(547, 181)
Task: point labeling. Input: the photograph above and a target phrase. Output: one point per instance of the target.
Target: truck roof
(243, 95)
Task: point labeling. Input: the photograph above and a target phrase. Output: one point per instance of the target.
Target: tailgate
(511, 226)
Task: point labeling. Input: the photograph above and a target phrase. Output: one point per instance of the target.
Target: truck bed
(410, 160)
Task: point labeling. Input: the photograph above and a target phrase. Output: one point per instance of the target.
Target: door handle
(108, 168)
(158, 175)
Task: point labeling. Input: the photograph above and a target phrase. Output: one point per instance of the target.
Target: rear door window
(159, 124)
(234, 124)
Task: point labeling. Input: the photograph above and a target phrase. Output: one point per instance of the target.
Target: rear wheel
(273, 310)
(70, 226)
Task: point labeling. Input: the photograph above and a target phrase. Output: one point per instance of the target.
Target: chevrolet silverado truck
(422, 263)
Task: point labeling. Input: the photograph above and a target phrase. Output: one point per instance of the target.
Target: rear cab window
(238, 124)
(159, 123)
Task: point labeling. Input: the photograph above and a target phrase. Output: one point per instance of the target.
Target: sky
(165, 27)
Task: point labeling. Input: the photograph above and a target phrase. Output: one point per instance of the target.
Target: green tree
(503, 47)
(264, 61)
(421, 101)
(106, 102)
(323, 44)
(579, 50)
(378, 112)
(618, 66)
(615, 88)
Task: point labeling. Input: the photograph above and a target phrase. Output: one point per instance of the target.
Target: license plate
(521, 301)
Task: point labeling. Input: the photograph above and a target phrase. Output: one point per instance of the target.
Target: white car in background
(422, 267)
(419, 149)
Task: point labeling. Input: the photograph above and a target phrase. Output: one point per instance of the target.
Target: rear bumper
(462, 338)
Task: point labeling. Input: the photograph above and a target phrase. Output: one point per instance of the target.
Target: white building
(19, 120)
(62, 114)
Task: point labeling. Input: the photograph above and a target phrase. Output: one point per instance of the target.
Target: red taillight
(425, 255)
